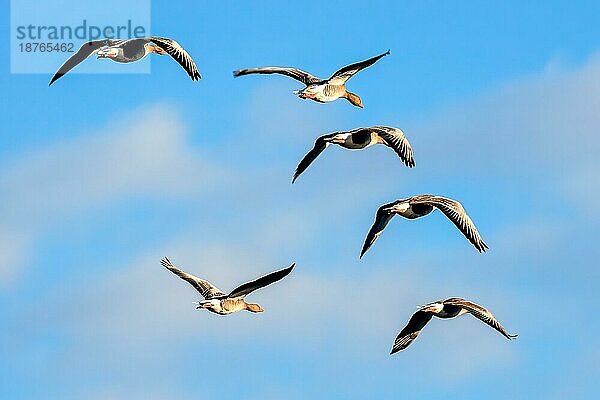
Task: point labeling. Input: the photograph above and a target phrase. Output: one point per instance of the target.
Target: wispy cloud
(537, 127)
(14, 246)
(144, 154)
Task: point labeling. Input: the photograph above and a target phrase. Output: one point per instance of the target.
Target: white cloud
(144, 154)
(582, 186)
(13, 247)
(546, 122)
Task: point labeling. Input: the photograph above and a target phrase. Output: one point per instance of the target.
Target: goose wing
(410, 332)
(382, 218)
(482, 314)
(342, 75)
(320, 145)
(261, 282)
(295, 73)
(394, 138)
(84, 52)
(175, 50)
(205, 288)
(457, 214)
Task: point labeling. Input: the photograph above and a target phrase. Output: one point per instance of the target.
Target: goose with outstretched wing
(320, 90)
(220, 303)
(444, 309)
(128, 51)
(358, 139)
(419, 206)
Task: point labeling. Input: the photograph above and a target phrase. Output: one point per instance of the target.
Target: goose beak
(429, 308)
(202, 306)
(336, 139)
(301, 94)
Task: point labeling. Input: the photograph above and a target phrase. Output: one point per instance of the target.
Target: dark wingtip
(236, 73)
(387, 53)
(288, 270)
(296, 175)
(56, 77)
(165, 262)
(394, 351)
(483, 247)
(362, 253)
(364, 249)
(511, 337)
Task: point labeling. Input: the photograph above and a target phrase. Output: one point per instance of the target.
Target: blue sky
(101, 175)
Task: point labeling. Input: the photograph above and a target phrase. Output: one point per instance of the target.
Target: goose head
(309, 92)
(435, 307)
(399, 207)
(339, 138)
(107, 52)
(206, 304)
(253, 307)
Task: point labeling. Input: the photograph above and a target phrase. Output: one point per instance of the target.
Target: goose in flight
(220, 303)
(321, 90)
(449, 308)
(361, 138)
(419, 206)
(131, 50)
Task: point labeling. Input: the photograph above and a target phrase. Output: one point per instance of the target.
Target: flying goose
(449, 308)
(361, 138)
(130, 50)
(221, 303)
(321, 90)
(419, 206)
